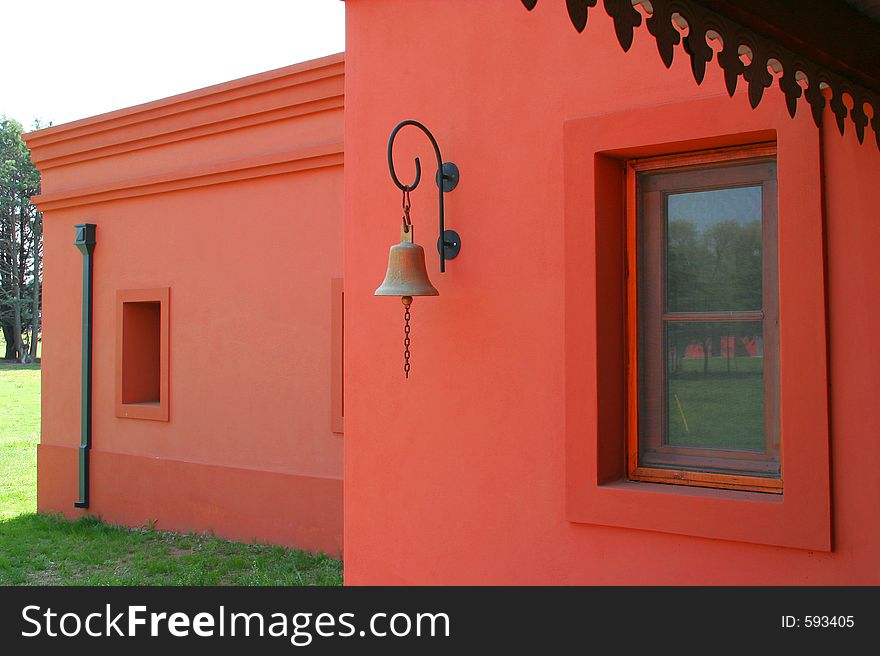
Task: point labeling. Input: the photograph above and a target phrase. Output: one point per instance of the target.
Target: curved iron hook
(441, 176)
(418, 177)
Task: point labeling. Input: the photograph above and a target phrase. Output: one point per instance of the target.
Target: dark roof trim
(822, 44)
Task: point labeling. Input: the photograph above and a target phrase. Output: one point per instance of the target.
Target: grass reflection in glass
(717, 409)
(715, 401)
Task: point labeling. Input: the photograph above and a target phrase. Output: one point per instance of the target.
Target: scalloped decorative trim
(740, 52)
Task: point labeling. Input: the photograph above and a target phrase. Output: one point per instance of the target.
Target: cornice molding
(145, 126)
(305, 159)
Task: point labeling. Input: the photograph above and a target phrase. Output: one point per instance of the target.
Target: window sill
(698, 511)
(147, 410)
(692, 491)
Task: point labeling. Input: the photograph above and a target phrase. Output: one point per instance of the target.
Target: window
(142, 354)
(703, 329)
(600, 204)
(337, 356)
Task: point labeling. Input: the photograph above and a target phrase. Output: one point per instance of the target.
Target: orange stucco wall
(231, 197)
(459, 475)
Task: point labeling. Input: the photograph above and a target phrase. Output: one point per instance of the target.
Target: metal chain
(406, 341)
(407, 204)
(407, 301)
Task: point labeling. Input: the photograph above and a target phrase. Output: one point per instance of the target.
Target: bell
(407, 275)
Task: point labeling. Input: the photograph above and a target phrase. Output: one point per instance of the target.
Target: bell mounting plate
(450, 176)
(449, 245)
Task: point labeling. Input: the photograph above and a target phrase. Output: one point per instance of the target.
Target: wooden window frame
(153, 411)
(690, 165)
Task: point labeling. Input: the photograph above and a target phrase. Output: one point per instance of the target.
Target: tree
(717, 268)
(21, 248)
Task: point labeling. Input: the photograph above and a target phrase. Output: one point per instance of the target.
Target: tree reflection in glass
(713, 250)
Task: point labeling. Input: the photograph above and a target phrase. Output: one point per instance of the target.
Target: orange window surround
(598, 489)
(142, 331)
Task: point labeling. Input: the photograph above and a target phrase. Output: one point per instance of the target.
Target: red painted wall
(458, 475)
(230, 196)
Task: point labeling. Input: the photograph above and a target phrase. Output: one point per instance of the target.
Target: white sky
(68, 59)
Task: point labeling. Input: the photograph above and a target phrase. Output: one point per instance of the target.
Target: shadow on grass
(38, 549)
(15, 365)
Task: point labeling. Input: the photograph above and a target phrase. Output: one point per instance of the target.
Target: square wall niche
(142, 354)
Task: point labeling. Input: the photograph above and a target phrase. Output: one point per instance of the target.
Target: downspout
(85, 242)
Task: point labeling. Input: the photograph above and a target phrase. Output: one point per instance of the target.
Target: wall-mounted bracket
(447, 178)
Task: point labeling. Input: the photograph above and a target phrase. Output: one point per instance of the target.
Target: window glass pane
(707, 331)
(715, 385)
(713, 250)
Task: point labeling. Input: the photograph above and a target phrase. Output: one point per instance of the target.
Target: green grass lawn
(19, 434)
(49, 550)
(717, 408)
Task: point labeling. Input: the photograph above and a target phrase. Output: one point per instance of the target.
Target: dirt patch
(48, 576)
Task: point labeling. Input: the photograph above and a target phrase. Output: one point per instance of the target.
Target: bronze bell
(407, 275)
